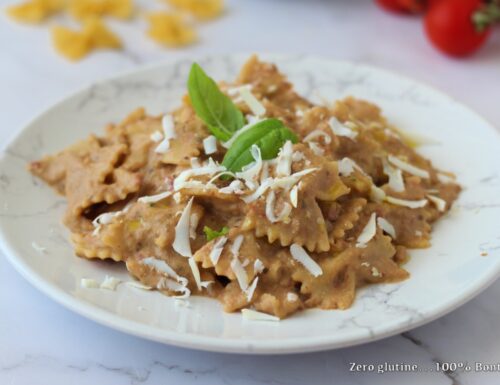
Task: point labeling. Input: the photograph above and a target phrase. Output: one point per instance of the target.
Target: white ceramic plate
(443, 277)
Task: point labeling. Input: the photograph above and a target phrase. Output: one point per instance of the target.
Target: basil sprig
(218, 112)
(212, 234)
(269, 135)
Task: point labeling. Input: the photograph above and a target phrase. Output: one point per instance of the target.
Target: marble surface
(42, 343)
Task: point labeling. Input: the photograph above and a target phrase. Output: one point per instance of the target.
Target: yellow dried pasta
(35, 11)
(74, 45)
(83, 9)
(170, 29)
(201, 9)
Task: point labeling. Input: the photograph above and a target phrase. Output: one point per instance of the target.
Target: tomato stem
(486, 16)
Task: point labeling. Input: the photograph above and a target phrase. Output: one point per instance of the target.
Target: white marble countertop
(43, 343)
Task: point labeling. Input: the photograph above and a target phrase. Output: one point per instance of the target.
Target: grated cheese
(376, 272)
(156, 136)
(168, 133)
(196, 272)
(292, 297)
(377, 194)
(38, 248)
(110, 283)
(235, 247)
(210, 145)
(347, 166)
(316, 149)
(181, 242)
(406, 203)
(240, 273)
(251, 289)
(318, 134)
(217, 249)
(300, 255)
(154, 198)
(169, 284)
(294, 195)
(340, 129)
(89, 283)
(408, 167)
(284, 160)
(438, 202)
(258, 266)
(284, 213)
(251, 172)
(252, 102)
(386, 226)
(257, 316)
(193, 224)
(396, 182)
(368, 232)
(164, 268)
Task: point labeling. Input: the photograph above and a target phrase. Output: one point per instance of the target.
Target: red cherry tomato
(449, 26)
(402, 6)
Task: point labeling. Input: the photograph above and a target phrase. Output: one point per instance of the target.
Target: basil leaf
(216, 110)
(212, 234)
(269, 135)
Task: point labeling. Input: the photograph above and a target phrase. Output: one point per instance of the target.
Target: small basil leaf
(212, 234)
(269, 135)
(216, 110)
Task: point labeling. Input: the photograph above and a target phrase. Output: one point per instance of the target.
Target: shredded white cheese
(164, 268)
(316, 149)
(110, 283)
(347, 166)
(181, 242)
(156, 136)
(89, 283)
(235, 247)
(253, 315)
(376, 272)
(258, 266)
(396, 182)
(168, 133)
(252, 102)
(196, 272)
(284, 160)
(38, 248)
(154, 198)
(251, 289)
(386, 226)
(193, 225)
(210, 145)
(294, 196)
(340, 129)
(217, 249)
(406, 203)
(377, 194)
(300, 255)
(368, 232)
(438, 202)
(169, 284)
(292, 297)
(410, 169)
(251, 172)
(240, 273)
(315, 134)
(270, 215)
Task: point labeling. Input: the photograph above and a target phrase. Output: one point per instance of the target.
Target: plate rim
(215, 344)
